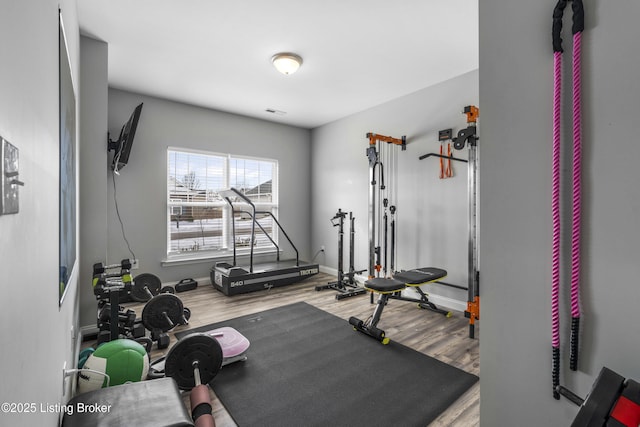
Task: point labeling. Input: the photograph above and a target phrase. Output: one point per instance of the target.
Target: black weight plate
(141, 281)
(152, 313)
(198, 347)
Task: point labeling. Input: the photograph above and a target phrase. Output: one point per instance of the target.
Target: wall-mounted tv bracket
(373, 154)
(469, 137)
(111, 144)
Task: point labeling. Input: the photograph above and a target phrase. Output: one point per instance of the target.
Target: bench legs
(423, 301)
(369, 327)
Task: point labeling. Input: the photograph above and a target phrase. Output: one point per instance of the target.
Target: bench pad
(152, 403)
(384, 285)
(418, 276)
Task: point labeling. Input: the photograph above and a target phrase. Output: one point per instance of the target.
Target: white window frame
(227, 249)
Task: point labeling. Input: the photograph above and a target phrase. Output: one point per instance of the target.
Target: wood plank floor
(431, 333)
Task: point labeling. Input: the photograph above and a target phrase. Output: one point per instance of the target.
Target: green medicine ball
(123, 360)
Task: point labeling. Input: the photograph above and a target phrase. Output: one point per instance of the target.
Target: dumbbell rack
(107, 287)
(110, 288)
(122, 324)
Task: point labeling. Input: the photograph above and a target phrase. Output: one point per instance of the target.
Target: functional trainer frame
(469, 137)
(374, 188)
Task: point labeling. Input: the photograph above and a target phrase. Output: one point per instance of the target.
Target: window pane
(254, 178)
(243, 230)
(195, 177)
(200, 220)
(195, 228)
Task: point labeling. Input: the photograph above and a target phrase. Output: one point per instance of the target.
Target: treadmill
(231, 279)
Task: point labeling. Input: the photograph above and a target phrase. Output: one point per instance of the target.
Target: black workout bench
(392, 288)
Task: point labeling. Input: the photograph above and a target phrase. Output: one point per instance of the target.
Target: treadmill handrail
(263, 230)
(285, 235)
(231, 192)
(227, 194)
(235, 192)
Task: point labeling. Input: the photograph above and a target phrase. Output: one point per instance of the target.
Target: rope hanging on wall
(577, 28)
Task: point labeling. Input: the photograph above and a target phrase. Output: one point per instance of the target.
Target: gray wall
(93, 174)
(141, 185)
(515, 213)
(432, 212)
(37, 334)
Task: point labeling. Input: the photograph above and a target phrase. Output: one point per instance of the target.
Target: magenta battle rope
(577, 202)
(555, 211)
(578, 26)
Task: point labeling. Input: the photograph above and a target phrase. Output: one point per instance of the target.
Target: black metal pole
(340, 215)
(386, 243)
(352, 233)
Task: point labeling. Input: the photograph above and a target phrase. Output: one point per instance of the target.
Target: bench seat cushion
(418, 276)
(384, 285)
(152, 403)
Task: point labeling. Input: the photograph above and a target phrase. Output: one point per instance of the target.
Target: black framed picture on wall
(67, 201)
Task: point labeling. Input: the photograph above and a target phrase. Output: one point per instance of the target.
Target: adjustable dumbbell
(126, 318)
(99, 267)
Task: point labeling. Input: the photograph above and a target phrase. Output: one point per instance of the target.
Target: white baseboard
(448, 303)
(87, 331)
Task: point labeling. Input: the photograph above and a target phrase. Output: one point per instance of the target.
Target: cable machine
(382, 205)
(383, 229)
(467, 136)
(378, 192)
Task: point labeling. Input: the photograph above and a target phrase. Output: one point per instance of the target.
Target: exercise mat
(307, 367)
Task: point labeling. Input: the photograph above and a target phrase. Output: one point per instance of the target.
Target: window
(199, 219)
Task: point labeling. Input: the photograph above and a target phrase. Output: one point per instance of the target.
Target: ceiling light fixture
(286, 63)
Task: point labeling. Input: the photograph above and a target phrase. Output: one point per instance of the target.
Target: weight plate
(194, 347)
(153, 313)
(142, 281)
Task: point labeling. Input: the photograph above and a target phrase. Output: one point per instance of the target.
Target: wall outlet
(135, 264)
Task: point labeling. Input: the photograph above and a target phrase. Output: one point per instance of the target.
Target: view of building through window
(199, 218)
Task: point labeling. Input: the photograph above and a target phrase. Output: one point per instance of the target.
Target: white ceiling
(217, 54)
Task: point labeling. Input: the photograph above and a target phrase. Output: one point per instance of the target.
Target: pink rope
(577, 166)
(555, 200)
